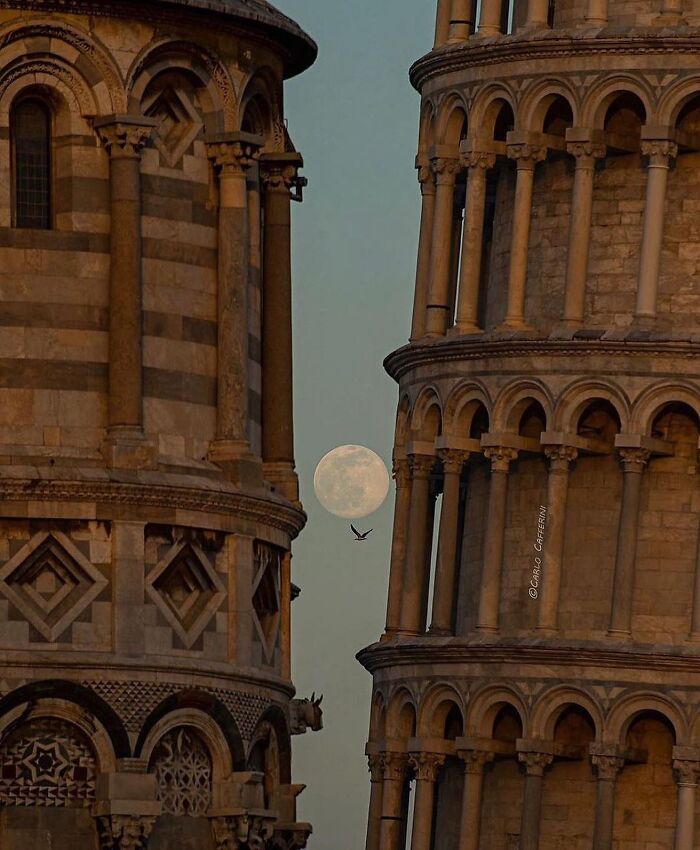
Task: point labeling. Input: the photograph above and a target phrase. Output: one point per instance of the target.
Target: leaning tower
(538, 684)
(148, 497)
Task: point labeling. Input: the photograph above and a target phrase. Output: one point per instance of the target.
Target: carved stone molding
(607, 767)
(124, 137)
(659, 151)
(634, 460)
(124, 832)
(475, 760)
(245, 829)
(421, 465)
(560, 457)
(453, 459)
(426, 765)
(586, 150)
(686, 771)
(478, 159)
(501, 457)
(445, 168)
(395, 765)
(233, 156)
(535, 763)
(401, 472)
(376, 767)
(290, 837)
(526, 155)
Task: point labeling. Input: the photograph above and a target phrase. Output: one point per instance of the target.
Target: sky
(354, 117)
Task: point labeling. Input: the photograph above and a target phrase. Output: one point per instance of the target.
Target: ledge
(476, 346)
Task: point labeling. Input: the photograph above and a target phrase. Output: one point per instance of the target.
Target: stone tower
(538, 684)
(147, 484)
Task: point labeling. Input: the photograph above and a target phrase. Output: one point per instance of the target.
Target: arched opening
(449, 788)
(30, 127)
(503, 783)
(264, 758)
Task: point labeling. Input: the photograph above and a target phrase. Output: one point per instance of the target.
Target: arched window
(31, 144)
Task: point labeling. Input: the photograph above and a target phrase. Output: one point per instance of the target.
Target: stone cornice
(432, 651)
(550, 44)
(246, 507)
(456, 349)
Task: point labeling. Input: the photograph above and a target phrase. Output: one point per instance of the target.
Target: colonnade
(411, 555)
(233, 156)
(457, 19)
(435, 311)
(391, 769)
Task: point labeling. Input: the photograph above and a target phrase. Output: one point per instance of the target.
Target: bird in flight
(360, 538)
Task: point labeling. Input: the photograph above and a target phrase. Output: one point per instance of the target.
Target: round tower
(537, 686)
(148, 497)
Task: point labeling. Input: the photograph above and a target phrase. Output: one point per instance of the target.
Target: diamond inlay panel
(187, 590)
(51, 583)
(178, 124)
(266, 597)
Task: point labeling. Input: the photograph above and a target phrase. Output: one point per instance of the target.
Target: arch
(486, 703)
(426, 135)
(55, 79)
(276, 718)
(631, 705)
(463, 405)
(31, 134)
(201, 66)
(435, 708)
(676, 98)
(402, 417)
(401, 714)
(204, 712)
(81, 701)
(513, 401)
(654, 398)
(488, 106)
(554, 702)
(452, 120)
(427, 412)
(539, 99)
(261, 96)
(579, 395)
(602, 96)
(377, 722)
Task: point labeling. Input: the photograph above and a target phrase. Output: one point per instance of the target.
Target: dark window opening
(31, 137)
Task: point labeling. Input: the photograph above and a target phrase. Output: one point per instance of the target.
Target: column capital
(607, 765)
(535, 763)
(473, 158)
(634, 459)
(280, 172)
(401, 472)
(526, 154)
(453, 459)
(124, 135)
(475, 760)
(501, 457)
(586, 151)
(560, 457)
(234, 152)
(292, 836)
(659, 151)
(445, 168)
(375, 762)
(394, 765)
(686, 771)
(426, 765)
(251, 829)
(421, 465)
(124, 832)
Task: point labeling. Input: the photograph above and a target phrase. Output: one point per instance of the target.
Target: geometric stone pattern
(178, 125)
(51, 583)
(47, 763)
(183, 770)
(266, 597)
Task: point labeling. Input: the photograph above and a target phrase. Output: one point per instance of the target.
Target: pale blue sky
(354, 116)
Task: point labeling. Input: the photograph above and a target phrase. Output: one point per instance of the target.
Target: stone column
(537, 14)
(453, 462)
(438, 307)
(392, 800)
(477, 164)
(607, 768)
(660, 152)
(426, 767)
(470, 823)
(374, 824)
(442, 23)
(560, 460)
(278, 175)
(597, 13)
(490, 18)
(420, 301)
(535, 764)
(124, 138)
(125, 807)
(417, 570)
(461, 22)
(585, 153)
(402, 476)
(633, 464)
(232, 155)
(490, 598)
(286, 615)
(695, 621)
(526, 157)
(686, 773)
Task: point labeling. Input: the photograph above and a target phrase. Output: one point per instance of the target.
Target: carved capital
(526, 155)
(586, 152)
(279, 176)
(478, 159)
(233, 157)
(445, 168)
(291, 837)
(501, 457)
(453, 459)
(686, 771)
(607, 767)
(421, 465)
(233, 831)
(535, 763)
(124, 138)
(659, 151)
(401, 472)
(426, 765)
(634, 460)
(376, 767)
(394, 766)
(475, 760)
(124, 832)
(560, 457)
(424, 172)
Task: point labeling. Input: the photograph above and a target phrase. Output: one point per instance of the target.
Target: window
(31, 141)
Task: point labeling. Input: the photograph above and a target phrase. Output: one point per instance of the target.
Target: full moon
(351, 482)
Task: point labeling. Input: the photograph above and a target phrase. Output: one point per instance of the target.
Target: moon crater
(351, 482)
